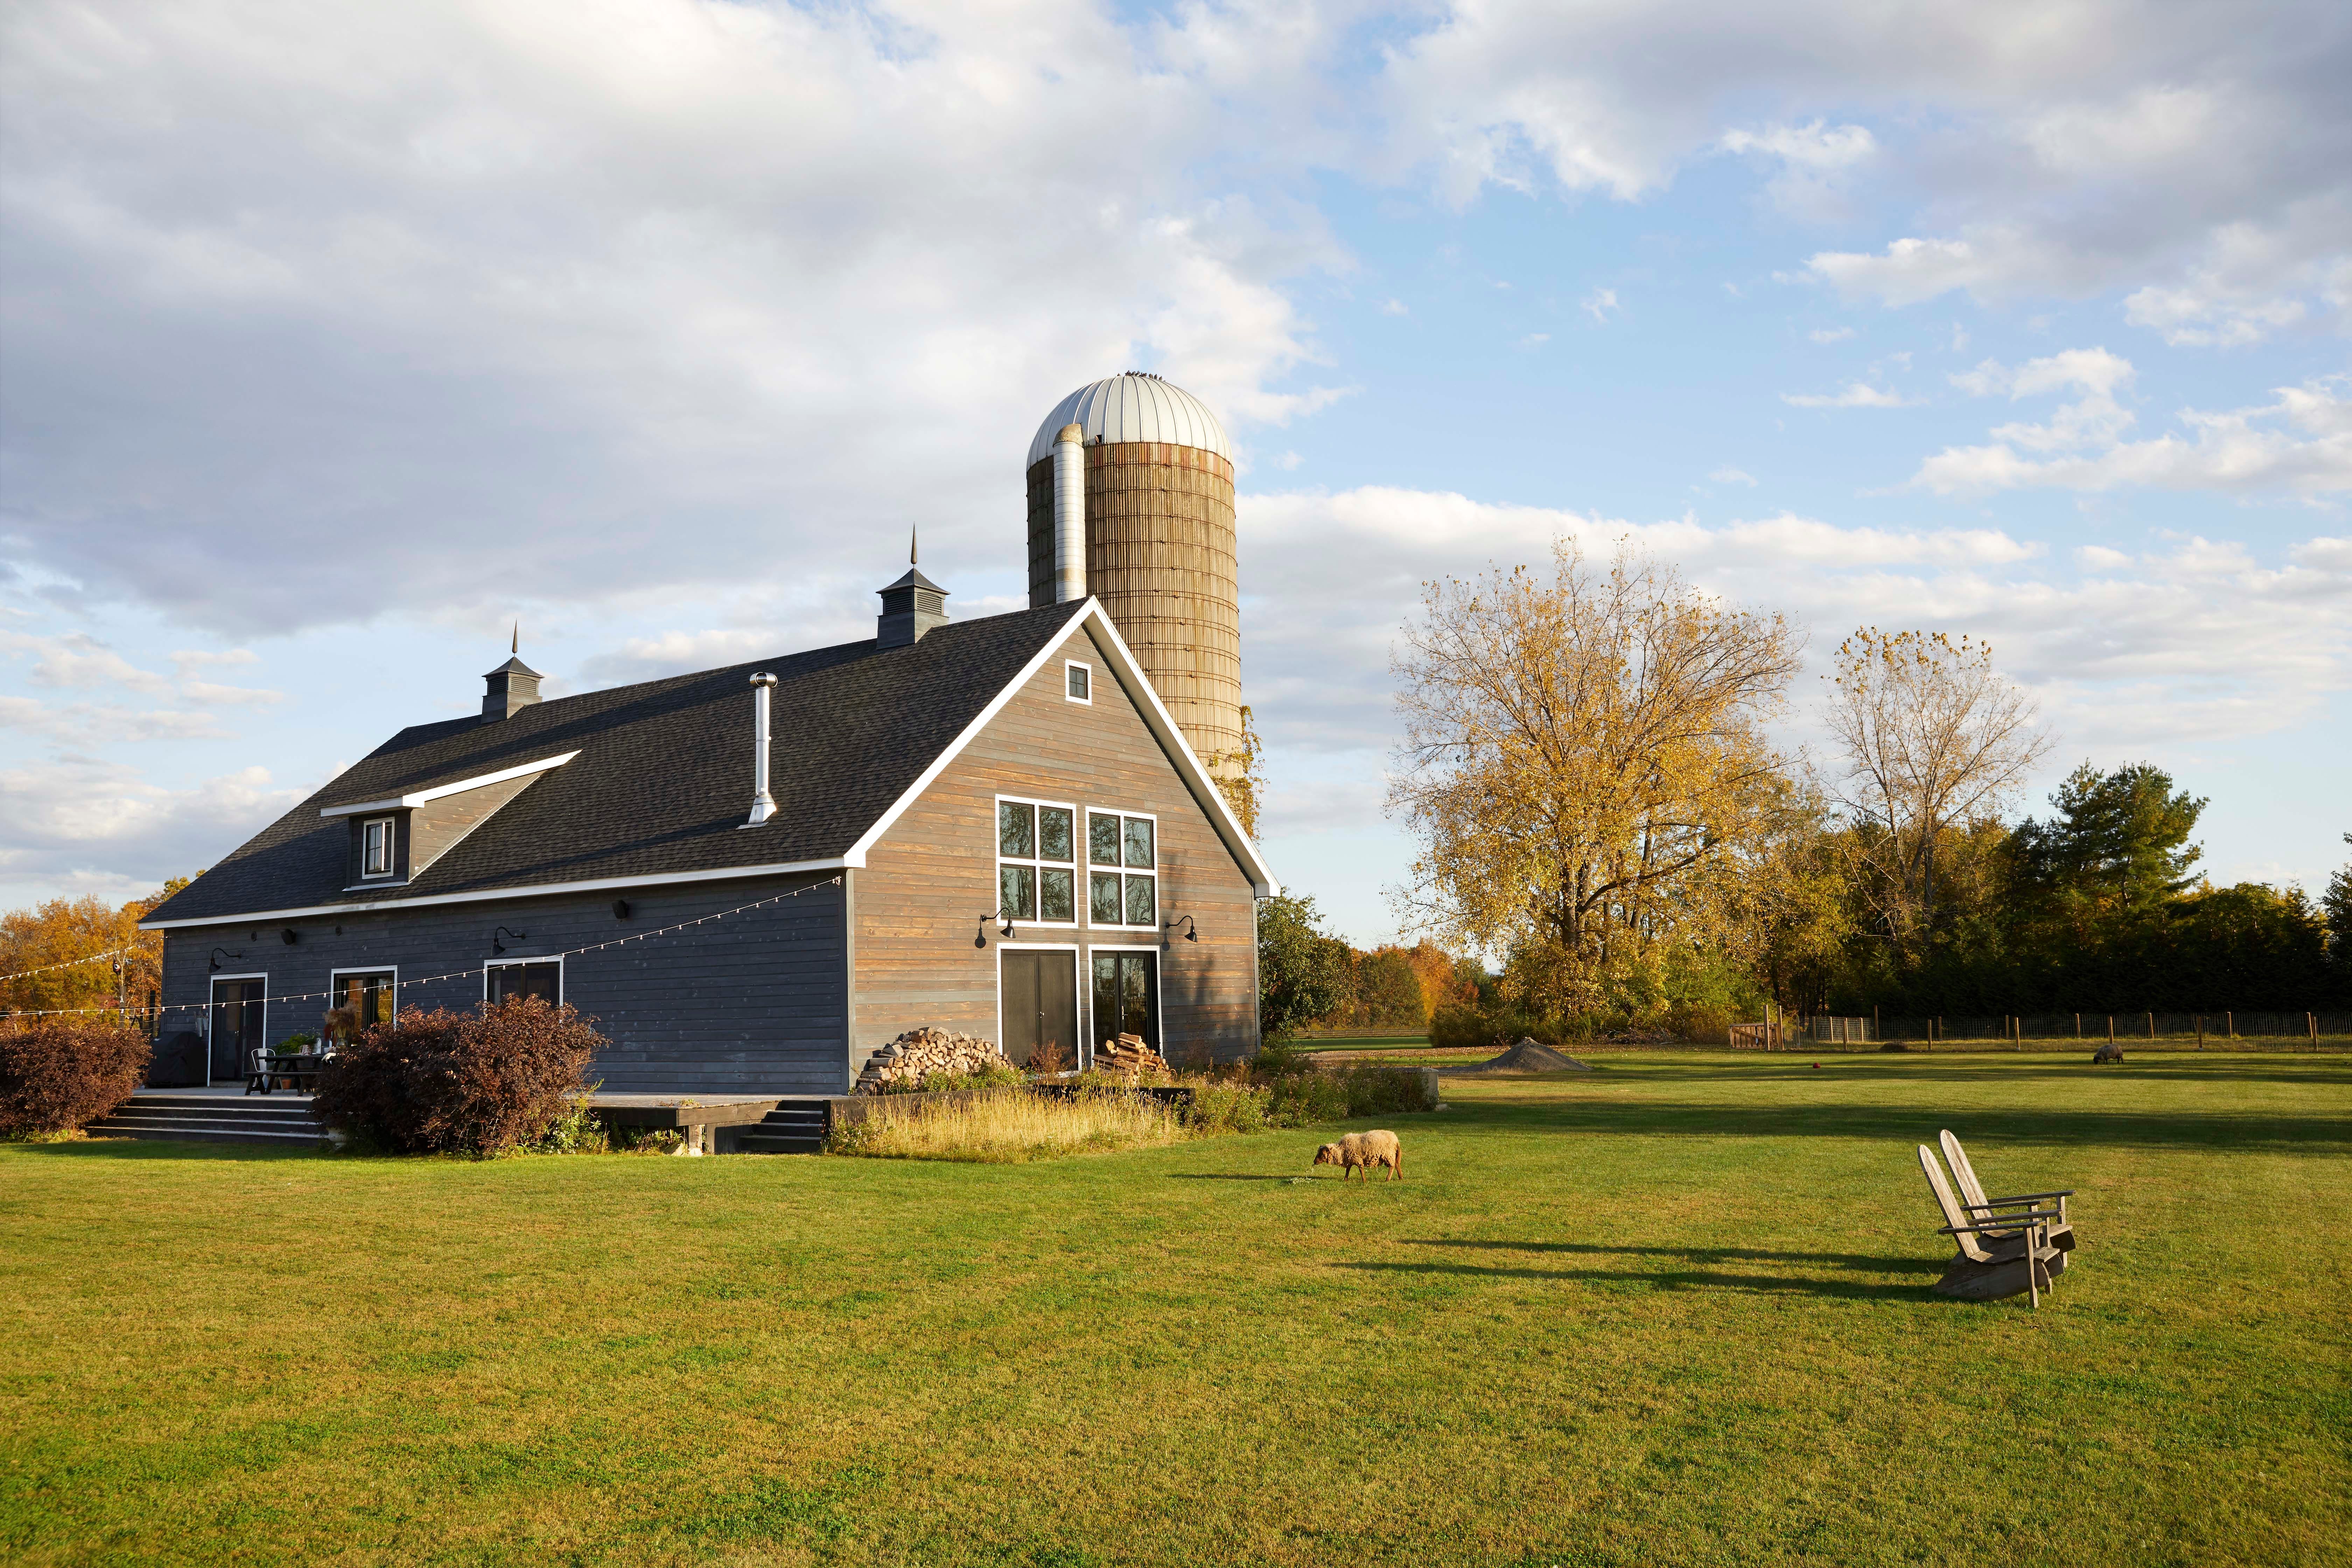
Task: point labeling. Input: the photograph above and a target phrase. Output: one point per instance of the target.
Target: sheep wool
(1361, 1152)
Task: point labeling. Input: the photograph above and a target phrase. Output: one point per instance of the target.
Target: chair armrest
(2018, 1222)
(2020, 1198)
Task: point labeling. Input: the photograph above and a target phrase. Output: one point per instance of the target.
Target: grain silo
(1149, 469)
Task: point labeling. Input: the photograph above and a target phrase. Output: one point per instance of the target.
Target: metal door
(1039, 1004)
(238, 1012)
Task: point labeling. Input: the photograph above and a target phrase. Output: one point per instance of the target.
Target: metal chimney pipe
(1069, 514)
(763, 805)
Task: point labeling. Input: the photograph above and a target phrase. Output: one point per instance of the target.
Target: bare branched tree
(1933, 740)
(1579, 755)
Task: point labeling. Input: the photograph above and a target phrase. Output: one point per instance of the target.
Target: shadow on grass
(1667, 1280)
(1907, 1124)
(166, 1149)
(1219, 1176)
(1703, 1255)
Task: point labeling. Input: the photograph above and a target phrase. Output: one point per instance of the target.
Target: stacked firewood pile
(919, 1053)
(1129, 1055)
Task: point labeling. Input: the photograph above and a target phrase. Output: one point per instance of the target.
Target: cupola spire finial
(515, 647)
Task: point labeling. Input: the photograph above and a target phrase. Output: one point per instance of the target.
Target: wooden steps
(795, 1127)
(277, 1122)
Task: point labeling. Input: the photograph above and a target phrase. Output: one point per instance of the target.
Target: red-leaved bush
(475, 1083)
(61, 1073)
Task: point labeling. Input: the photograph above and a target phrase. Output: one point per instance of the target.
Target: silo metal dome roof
(1134, 407)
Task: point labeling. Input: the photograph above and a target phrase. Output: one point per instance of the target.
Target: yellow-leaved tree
(1584, 756)
(71, 953)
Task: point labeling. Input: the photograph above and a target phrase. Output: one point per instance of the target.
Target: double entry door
(235, 1026)
(1038, 995)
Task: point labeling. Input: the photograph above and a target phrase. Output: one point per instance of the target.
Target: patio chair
(1994, 1260)
(1973, 1199)
(256, 1071)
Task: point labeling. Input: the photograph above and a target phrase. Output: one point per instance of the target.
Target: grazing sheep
(1361, 1152)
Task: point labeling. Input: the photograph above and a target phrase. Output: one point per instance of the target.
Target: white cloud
(1534, 340)
(2099, 558)
(1856, 394)
(77, 661)
(2206, 313)
(2207, 640)
(81, 817)
(699, 283)
(2299, 445)
(1393, 308)
(1830, 335)
(1732, 477)
(1599, 303)
(1813, 158)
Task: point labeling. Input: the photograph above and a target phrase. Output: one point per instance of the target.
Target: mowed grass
(1673, 1311)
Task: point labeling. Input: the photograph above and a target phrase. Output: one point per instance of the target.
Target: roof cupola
(510, 687)
(911, 606)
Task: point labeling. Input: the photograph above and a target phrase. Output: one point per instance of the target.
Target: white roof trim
(1156, 718)
(532, 891)
(422, 797)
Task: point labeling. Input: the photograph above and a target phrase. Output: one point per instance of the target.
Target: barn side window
(1036, 861)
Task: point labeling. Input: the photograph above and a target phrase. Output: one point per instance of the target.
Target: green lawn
(1675, 1311)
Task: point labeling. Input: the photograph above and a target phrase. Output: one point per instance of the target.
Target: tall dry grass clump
(1010, 1127)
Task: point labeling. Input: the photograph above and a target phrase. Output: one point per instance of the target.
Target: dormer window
(375, 846)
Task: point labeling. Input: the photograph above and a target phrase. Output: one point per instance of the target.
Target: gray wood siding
(753, 1002)
(435, 827)
(928, 881)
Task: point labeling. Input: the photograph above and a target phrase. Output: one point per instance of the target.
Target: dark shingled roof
(664, 775)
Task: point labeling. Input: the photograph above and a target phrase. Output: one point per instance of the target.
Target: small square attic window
(375, 846)
(1081, 680)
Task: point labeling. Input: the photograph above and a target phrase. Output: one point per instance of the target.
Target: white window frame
(562, 979)
(1085, 1054)
(391, 826)
(1077, 864)
(1125, 870)
(262, 975)
(1070, 664)
(1159, 991)
(335, 981)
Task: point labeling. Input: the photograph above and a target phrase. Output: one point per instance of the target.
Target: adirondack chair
(1994, 1260)
(1973, 1199)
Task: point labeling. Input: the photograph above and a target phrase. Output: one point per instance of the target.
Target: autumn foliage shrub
(480, 1083)
(59, 1074)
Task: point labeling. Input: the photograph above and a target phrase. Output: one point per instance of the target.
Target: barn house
(754, 877)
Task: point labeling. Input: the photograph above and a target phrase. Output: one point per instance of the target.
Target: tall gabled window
(1036, 861)
(1122, 869)
(375, 846)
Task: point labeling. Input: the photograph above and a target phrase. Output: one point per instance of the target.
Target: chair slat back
(1962, 1171)
(1970, 1248)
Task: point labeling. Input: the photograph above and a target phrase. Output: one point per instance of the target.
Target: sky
(335, 341)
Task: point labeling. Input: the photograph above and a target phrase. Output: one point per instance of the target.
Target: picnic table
(296, 1072)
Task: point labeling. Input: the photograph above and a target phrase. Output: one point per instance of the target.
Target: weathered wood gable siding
(929, 879)
(439, 825)
(752, 1003)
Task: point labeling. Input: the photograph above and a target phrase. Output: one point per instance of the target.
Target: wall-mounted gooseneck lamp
(1004, 928)
(1192, 931)
(290, 936)
(497, 946)
(221, 952)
